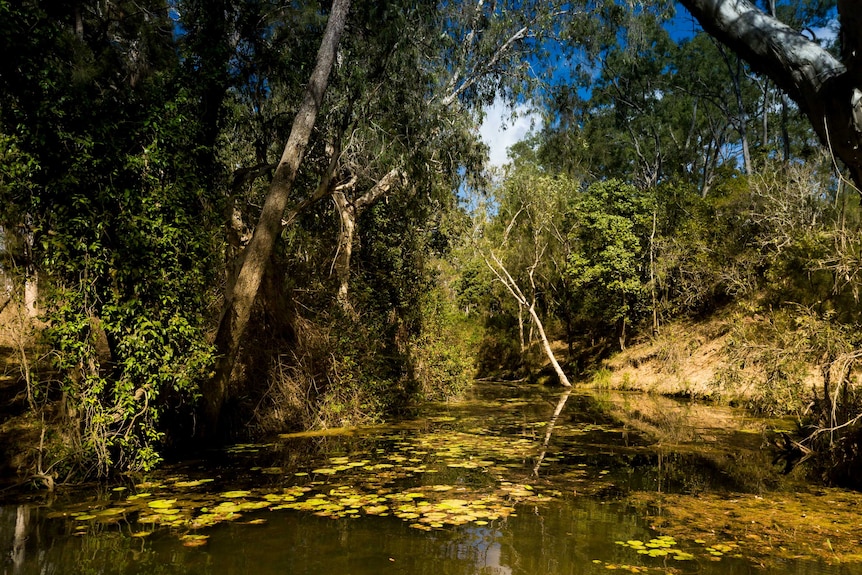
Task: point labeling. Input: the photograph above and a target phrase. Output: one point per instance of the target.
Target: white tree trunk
(349, 212)
(507, 280)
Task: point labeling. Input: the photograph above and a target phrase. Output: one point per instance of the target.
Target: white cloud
(827, 36)
(499, 130)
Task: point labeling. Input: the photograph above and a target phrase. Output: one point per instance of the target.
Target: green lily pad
(235, 494)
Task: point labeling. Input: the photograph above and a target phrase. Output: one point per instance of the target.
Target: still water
(511, 481)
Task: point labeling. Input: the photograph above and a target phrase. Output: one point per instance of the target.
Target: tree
(611, 223)
(522, 243)
(475, 51)
(828, 90)
(239, 302)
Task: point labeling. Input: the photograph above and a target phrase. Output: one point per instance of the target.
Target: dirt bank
(704, 359)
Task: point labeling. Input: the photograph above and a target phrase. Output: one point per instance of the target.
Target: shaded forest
(232, 218)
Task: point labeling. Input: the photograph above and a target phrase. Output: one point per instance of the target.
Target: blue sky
(500, 130)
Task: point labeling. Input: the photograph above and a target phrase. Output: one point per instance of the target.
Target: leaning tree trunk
(828, 91)
(239, 301)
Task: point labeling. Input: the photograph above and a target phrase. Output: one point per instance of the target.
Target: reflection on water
(581, 456)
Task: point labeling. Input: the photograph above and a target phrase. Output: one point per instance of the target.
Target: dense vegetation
(140, 142)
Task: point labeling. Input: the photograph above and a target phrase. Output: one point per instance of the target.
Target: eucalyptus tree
(523, 244)
(471, 52)
(397, 118)
(256, 256)
(659, 110)
(826, 88)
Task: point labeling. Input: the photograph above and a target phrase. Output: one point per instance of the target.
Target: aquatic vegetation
(663, 546)
(394, 477)
(471, 473)
(823, 525)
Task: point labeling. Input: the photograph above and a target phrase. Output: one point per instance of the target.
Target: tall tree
(827, 89)
(239, 302)
(610, 227)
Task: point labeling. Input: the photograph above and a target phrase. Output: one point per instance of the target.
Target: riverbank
(731, 358)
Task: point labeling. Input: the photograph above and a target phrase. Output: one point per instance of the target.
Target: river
(512, 480)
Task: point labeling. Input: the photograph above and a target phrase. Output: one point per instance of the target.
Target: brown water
(475, 487)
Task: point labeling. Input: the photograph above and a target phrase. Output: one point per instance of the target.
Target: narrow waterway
(513, 480)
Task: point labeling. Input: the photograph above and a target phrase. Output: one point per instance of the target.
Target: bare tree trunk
(764, 141)
(347, 214)
(742, 119)
(239, 301)
(507, 280)
(31, 294)
(31, 274)
(739, 120)
(623, 334)
(521, 329)
(785, 132)
(546, 344)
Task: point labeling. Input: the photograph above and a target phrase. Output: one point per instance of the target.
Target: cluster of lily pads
(393, 478)
(623, 567)
(665, 546)
(662, 546)
(425, 508)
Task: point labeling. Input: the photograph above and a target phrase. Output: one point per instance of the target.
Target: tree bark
(239, 301)
(827, 90)
(349, 212)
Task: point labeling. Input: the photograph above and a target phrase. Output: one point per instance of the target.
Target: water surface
(510, 481)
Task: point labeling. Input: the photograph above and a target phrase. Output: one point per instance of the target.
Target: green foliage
(609, 233)
(441, 352)
(100, 178)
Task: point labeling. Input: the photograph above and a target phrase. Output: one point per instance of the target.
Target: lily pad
(235, 494)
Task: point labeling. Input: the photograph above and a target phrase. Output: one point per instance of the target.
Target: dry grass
(691, 359)
(683, 359)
